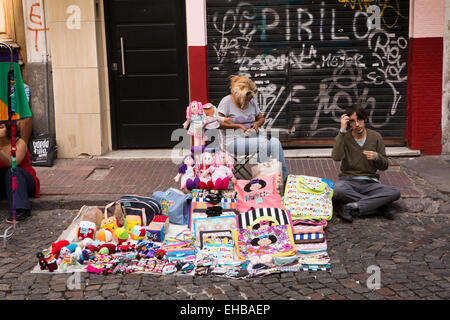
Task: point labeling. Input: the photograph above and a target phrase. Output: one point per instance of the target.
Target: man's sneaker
(387, 212)
(21, 214)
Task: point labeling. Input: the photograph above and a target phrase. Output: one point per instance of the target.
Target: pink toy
(188, 174)
(222, 171)
(205, 171)
(195, 119)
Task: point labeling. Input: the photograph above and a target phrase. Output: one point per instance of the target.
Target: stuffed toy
(72, 247)
(74, 260)
(194, 120)
(222, 171)
(121, 235)
(69, 260)
(131, 221)
(205, 171)
(86, 241)
(57, 246)
(159, 254)
(63, 255)
(86, 229)
(104, 235)
(211, 118)
(103, 250)
(188, 174)
(111, 247)
(47, 260)
(86, 255)
(126, 247)
(111, 224)
(138, 232)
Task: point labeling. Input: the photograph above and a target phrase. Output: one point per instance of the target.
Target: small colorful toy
(110, 224)
(57, 246)
(157, 228)
(104, 235)
(206, 161)
(131, 221)
(222, 170)
(86, 229)
(86, 255)
(121, 235)
(195, 119)
(138, 232)
(211, 119)
(64, 253)
(126, 247)
(188, 174)
(47, 260)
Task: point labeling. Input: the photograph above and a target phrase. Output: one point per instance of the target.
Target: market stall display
(243, 229)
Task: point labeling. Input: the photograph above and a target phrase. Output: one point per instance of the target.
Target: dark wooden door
(147, 61)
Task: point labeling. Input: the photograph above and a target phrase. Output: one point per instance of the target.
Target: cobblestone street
(411, 253)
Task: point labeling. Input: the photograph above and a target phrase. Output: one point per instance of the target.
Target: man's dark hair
(361, 113)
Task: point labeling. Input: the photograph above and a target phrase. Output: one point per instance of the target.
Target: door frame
(111, 83)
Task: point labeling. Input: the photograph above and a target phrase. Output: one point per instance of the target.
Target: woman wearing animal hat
(241, 136)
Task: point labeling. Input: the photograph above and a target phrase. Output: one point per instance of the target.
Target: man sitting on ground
(358, 192)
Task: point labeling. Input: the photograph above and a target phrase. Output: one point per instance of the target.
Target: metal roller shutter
(311, 59)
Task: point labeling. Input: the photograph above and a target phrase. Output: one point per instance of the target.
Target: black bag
(133, 205)
(43, 150)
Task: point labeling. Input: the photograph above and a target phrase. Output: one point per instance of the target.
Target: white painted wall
(426, 18)
(37, 38)
(196, 22)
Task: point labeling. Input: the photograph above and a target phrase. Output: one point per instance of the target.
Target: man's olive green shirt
(353, 160)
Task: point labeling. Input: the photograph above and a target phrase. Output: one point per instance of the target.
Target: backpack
(134, 204)
(308, 197)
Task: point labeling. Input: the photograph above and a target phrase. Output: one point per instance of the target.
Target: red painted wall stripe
(424, 97)
(198, 73)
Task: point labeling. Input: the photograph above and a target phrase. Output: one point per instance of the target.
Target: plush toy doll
(211, 119)
(205, 171)
(86, 255)
(121, 235)
(111, 247)
(187, 172)
(57, 246)
(47, 260)
(195, 119)
(63, 254)
(86, 229)
(222, 171)
(74, 260)
(65, 262)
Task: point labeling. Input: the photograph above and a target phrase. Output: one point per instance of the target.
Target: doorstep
(288, 153)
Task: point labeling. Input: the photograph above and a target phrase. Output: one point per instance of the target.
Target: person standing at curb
(358, 191)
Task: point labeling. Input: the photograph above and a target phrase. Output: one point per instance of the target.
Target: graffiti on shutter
(312, 59)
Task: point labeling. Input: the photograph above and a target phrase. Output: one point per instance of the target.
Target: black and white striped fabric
(246, 219)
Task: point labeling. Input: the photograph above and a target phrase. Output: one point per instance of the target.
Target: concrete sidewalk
(71, 183)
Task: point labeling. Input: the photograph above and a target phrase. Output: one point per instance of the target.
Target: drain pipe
(46, 90)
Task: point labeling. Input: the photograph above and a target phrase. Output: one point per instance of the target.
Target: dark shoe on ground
(387, 212)
(341, 212)
(21, 215)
